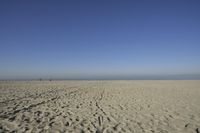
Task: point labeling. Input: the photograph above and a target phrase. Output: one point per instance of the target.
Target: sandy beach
(129, 106)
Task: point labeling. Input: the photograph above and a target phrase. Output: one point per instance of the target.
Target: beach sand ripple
(134, 106)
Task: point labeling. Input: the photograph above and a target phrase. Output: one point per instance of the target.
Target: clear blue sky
(99, 39)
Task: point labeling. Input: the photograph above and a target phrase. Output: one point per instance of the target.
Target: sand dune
(100, 106)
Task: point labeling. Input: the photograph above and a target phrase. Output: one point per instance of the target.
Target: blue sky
(95, 39)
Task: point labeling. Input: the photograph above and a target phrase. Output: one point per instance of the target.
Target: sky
(100, 39)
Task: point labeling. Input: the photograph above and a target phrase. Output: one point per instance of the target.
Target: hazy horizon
(100, 39)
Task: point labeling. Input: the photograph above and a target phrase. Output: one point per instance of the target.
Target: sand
(134, 106)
